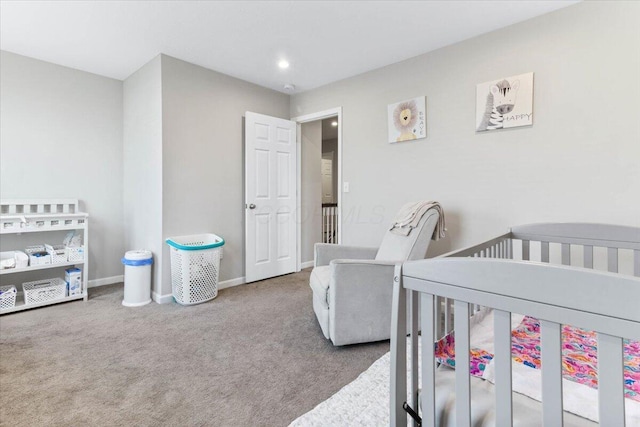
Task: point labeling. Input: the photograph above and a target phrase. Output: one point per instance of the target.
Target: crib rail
(613, 238)
(498, 247)
(606, 235)
(556, 295)
(448, 290)
(533, 242)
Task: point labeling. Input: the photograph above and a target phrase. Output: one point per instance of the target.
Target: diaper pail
(137, 277)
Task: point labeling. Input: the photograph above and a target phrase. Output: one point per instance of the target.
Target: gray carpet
(253, 356)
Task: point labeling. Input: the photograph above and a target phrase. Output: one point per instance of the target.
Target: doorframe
(312, 117)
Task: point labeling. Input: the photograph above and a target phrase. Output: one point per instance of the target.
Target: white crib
(499, 274)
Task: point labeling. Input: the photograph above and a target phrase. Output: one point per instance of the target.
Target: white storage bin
(195, 264)
(38, 255)
(20, 259)
(74, 253)
(7, 297)
(57, 253)
(44, 290)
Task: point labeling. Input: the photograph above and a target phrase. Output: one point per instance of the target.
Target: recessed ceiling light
(283, 64)
(334, 123)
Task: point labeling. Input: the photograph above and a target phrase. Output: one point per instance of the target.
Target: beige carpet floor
(254, 356)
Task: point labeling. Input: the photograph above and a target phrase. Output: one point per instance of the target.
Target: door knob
(252, 206)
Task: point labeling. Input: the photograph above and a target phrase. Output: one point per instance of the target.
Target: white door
(270, 197)
(327, 178)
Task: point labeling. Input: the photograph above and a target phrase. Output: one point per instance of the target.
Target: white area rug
(363, 402)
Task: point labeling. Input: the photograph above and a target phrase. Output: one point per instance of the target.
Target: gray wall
(311, 191)
(203, 155)
(61, 137)
(143, 163)
(580, 161)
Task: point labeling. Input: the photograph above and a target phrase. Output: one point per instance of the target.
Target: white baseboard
(166, 299)
(306, 264)
(162, 299)
(105, 281)
(231, 283)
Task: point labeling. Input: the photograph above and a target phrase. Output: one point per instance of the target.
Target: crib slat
(551, 354)
(544, 251)
(439, 321)
(566, 254)
(502, 358)
(451, 316)
(428, 362)
(610, 381)
(612, 259)
(463, 385)
(412, 302)
(525, 250)
(588, 256)
(636, 263)
(447, 317)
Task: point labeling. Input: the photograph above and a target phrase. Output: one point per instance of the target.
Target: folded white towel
(410, 215)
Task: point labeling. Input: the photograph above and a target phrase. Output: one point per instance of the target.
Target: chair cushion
(319, 282)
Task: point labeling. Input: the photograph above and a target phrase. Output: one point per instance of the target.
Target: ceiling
(324, 41)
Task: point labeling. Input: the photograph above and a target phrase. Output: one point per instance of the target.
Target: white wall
(203, 155)
(580, 161)
(142, 161)
(311, 191)
(61, 137)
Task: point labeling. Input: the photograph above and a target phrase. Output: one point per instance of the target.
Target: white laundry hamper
(195, 266)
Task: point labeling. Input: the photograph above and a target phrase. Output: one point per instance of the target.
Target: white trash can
(137, 277)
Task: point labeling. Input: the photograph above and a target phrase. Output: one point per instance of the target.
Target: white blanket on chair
(410, 215)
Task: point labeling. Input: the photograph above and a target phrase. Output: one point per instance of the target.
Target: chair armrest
(324, 253)
(351, 272)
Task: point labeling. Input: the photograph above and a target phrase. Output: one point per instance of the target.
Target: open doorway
(329, 179)
(319, 181)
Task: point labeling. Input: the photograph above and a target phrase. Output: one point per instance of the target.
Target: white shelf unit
(41, 216)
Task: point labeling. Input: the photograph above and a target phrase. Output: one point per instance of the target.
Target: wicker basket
(75, 253)
(44, 290)
(57, 253)
(7, 297)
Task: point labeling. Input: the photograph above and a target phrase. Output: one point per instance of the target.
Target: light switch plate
(345, 187)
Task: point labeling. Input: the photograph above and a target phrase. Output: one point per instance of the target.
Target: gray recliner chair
(352, 285)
